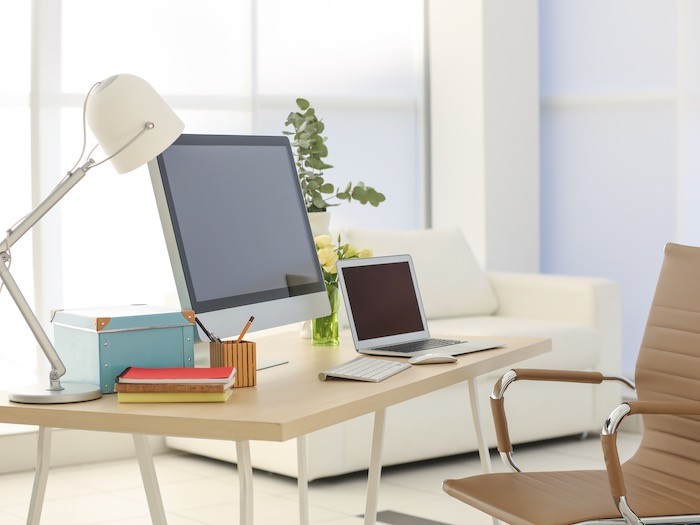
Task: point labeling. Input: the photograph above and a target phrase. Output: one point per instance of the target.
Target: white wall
(610, 173)
(688, 122)
(484, 127)
(618, 94)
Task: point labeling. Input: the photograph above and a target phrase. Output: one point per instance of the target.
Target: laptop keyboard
(365, 369)
(417, 346)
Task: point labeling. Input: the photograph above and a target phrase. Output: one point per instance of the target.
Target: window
(225, 66)
(17, 360)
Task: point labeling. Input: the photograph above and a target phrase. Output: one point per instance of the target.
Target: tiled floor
(199, 491)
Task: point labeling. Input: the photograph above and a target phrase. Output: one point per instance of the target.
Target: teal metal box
(97, 344)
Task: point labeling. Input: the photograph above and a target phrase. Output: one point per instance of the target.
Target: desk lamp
(133, 125)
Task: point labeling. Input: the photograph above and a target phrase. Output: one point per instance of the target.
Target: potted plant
(310, 151)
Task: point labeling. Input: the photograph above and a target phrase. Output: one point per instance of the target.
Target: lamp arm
(28, 222)
(57, 367)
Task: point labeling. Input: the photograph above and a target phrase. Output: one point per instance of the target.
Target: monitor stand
(269, 363)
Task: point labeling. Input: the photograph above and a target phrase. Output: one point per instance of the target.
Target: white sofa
(580, 314)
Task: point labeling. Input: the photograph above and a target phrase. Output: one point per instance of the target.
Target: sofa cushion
(451, 282)
(574, 347)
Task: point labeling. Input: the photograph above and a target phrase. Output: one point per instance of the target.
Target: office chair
(661, 482)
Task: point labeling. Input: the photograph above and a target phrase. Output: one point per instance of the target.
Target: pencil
(245, 329)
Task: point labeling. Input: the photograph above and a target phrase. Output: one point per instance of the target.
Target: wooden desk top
(288, 401)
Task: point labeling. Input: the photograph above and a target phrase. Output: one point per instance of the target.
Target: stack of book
(175, 385)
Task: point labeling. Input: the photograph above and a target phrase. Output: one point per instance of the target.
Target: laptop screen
(383, 300)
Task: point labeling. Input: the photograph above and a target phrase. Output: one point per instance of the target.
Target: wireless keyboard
(365, 369)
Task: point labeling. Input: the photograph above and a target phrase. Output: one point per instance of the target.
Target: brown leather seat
(662, 479)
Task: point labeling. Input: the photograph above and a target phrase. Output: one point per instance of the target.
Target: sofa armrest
(587, 301)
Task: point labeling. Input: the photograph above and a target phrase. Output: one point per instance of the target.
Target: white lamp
(133, 124)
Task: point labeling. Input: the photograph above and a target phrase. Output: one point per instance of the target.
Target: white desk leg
(375, 468)
(150, 480)
(480, 437)
(303, 480)
(43, 458)
(245, 479)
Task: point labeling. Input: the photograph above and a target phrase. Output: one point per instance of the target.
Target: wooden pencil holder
(241, 355)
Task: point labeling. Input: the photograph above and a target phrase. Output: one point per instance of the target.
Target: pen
(211, 335)
(245, 329)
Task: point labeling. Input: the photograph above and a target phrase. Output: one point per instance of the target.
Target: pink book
(223, 374)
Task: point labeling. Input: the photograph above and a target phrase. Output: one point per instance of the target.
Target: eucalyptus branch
(310, 151)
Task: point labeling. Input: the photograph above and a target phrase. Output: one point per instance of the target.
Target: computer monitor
(237, 232)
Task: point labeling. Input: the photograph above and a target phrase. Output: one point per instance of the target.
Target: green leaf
(359, 194)
(316, 163)
(303, 104)
(374, 197)
(294, 119)
(343, 196)
(320, 151)
(327, 188)
(319, 202)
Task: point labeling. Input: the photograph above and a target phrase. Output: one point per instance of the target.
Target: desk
(288, 402)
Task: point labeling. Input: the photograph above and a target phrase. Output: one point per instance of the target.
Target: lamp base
(41, 395)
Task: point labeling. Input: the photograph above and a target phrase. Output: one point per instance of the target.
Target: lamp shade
(118, 110)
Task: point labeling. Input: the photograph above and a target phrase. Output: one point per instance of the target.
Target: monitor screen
(237, 231)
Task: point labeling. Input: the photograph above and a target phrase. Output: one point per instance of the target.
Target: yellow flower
(350, 252)
(322, 241)
(327, 256)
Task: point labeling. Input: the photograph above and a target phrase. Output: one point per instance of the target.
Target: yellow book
(174, 397)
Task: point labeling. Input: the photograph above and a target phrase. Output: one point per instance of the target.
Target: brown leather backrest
(668, 366)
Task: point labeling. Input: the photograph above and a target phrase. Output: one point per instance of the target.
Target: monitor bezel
(224, 316)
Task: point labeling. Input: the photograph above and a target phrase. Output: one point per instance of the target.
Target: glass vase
(324, 330)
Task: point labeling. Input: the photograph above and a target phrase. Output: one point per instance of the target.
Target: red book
(224, 374)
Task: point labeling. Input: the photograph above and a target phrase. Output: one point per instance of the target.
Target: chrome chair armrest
(505, 447)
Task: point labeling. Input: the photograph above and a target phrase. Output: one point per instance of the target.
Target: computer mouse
(429, 359)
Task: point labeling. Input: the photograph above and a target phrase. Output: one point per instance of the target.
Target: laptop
(386, 313)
